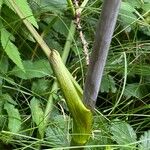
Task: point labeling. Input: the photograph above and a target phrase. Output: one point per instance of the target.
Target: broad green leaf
(123, 134)
(37, 115)
(61, 26)
(52, 5)
(135, 90)
(108, 84)
(37, 69)
(134, 3)
(41, 87)
(10, 49)
(145, 141)
(14, 119)
(57, 132)
(127, 15)
(127, 7)
(100, 133)
(7, 98)
(24, 7)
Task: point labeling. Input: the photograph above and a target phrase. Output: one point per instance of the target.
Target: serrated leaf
(41, 87)
(134, 3)
(123, 134)
(37, 69)
(37, 115)
(14, 119)
(145, 141)
(24, 7)
(7, 98)
(135, 90)
(127, 15)
(61, 26)
(57, 131)
(10, 49)
(52, 5)
(108, 84)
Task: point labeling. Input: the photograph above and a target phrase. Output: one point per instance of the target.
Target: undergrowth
(29, 92)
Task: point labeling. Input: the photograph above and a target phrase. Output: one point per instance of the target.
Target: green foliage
(123, 134)
(26, 79)
(53, 5)
(37, 69)
(145, 141)
(10, 48)
(37, 115)
(108, 84)
(135, 90)
(57, 132)
(23, 5)
(14, 119)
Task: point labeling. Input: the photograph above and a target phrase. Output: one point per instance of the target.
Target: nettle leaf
(7, 98)
(135, 90)
(14, 119)
(41, 87)
(37, 115)
(52, 5)
(61, 26)
(127, 15)
(37, 69)
(123, 134)
(57, 132)
(134, 3)
(24, 7)
(145, 141)
(108, 84)
(10, 49)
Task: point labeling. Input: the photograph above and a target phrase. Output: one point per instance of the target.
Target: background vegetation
(28, 89)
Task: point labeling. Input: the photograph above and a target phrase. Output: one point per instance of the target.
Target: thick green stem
(65, 54)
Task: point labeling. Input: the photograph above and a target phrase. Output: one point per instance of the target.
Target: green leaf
(10, 49)
(127, 15)
(145, 141)
(56, 6)
(61, 26)
(123, 134)
(14, 119)
(41, 87)
(108, 84)
(37, 115)
(135, 90)
(37, 69)
(134, 3)
(7, 98)
(24, 7)
(57, 132)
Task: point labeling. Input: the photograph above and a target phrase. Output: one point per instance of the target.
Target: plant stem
(98, 58)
